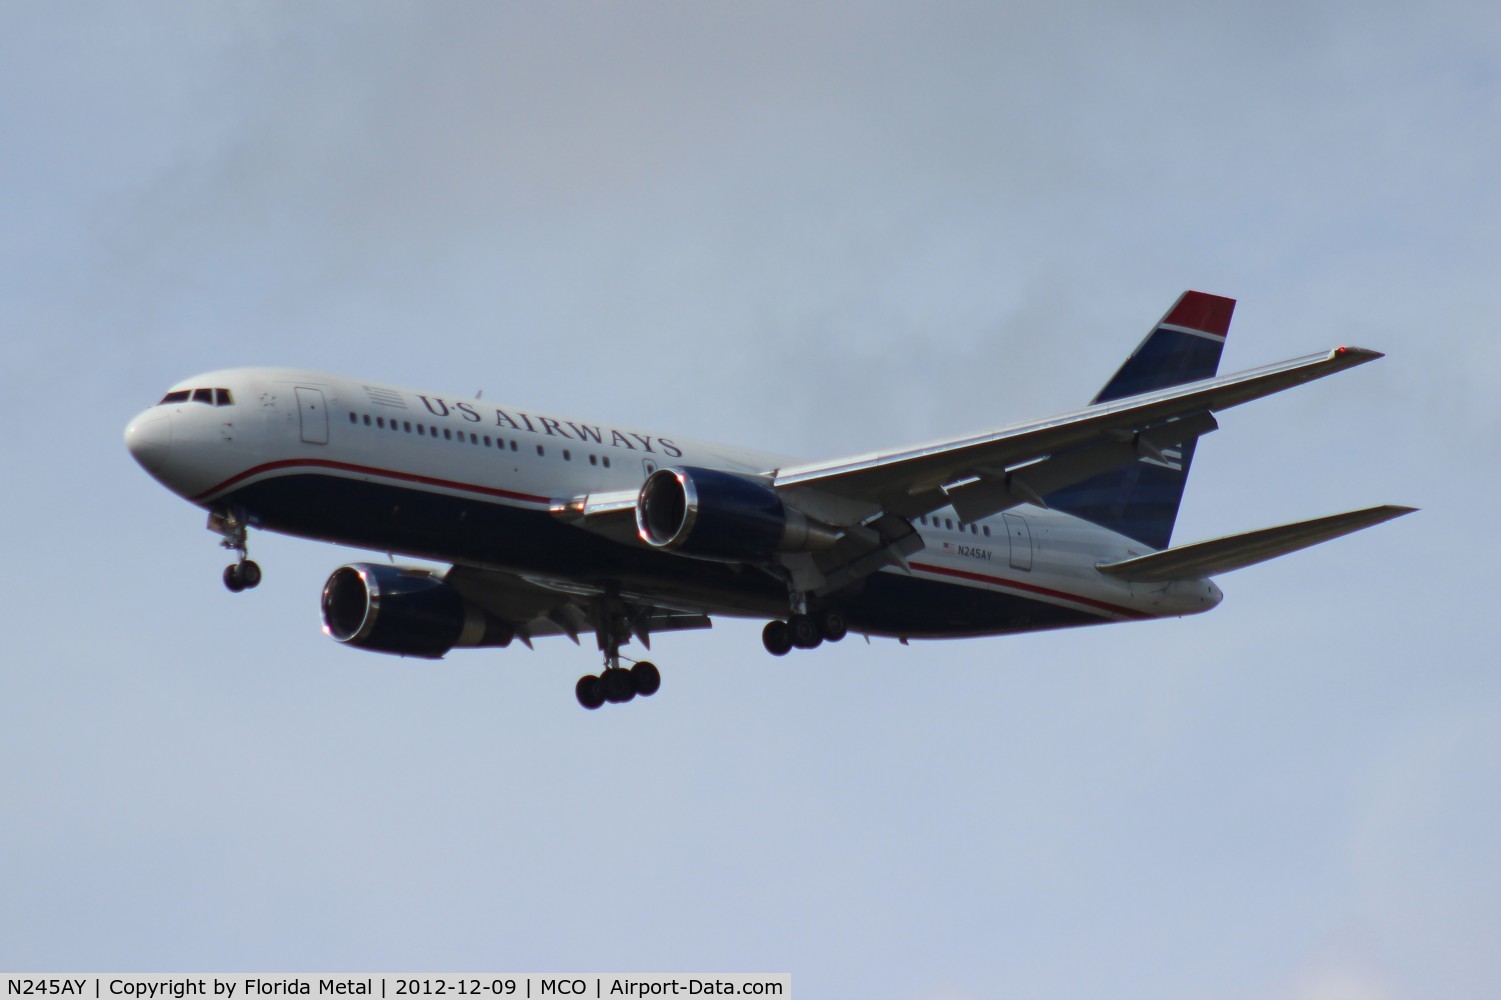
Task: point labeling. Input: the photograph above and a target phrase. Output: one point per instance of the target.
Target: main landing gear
(804, 631)
(245, 573)
(616, 684)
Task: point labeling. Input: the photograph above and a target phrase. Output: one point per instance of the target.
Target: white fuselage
(438, 477)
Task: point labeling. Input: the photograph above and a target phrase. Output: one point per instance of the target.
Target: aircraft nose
(149, 438)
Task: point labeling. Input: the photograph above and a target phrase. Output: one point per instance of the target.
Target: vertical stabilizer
(1140, 499)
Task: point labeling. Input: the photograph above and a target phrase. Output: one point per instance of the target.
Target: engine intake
(405, 611)
(723, 516)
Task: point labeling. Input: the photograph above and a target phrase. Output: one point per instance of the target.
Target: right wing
(1024, 462)
(871, 500)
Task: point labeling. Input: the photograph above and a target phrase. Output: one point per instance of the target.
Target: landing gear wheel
(250, 574)
(831, 625)
(804, 631)
(646, 679)
(777, 638)
(589, 692)
(616, 685)
(241, 576)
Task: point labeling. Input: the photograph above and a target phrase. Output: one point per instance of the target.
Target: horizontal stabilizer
(1221, 555)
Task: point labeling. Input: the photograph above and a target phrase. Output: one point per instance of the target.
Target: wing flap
(1221, 555)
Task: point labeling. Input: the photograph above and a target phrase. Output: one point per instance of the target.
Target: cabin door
(314, 415)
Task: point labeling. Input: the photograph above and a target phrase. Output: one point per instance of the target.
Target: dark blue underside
(446, 528)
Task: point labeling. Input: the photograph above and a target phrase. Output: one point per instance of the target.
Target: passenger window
(567, 457)
(203, 396)
(593, 459)
(447, 434)
(421, 431)
(513, 445)
(487, 440)
(406, 425)
(367, 420)
(987, 531)
(607, 461)
(948, 523)
(353, 419)
(474, 438)
(539, 450)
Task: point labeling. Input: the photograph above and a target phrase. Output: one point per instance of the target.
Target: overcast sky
(809, 228)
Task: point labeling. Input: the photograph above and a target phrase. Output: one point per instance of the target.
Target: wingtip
(1387, 512)
(1354, 355)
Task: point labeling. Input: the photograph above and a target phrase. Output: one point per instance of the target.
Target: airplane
(555, 526)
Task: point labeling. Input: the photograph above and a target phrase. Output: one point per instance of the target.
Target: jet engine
(406, 611)
(719, 515)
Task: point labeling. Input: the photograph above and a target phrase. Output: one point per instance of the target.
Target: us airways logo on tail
(569, 430)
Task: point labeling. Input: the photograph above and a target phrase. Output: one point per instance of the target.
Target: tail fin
(1140, 499)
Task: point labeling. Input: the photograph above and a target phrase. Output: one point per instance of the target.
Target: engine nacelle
(720, 515)
(406, 611)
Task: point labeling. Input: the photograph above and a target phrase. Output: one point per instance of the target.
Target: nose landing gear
(235, 535)
(242, 575)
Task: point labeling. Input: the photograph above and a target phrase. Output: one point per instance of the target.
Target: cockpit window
(213, 397)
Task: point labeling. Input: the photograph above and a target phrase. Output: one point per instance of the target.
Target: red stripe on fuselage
(366, 470)
(1029, 587)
